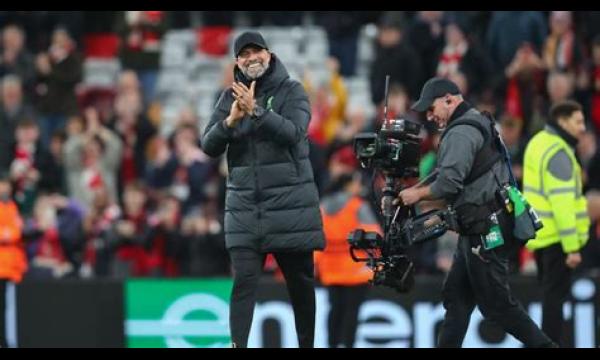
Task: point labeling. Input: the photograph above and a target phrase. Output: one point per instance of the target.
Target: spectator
(164, 239)
(70, 215)
(479, 21)
(426, 35)
(342, 161)
(328, 102)
(343, 28)
(354, 122)
(59, 71)
(13, 110)
(72, 21)
(58, 183)
(141, 35)
(203, 252)
(54, 237)
(398, 108)
(184, 171)
(15, 58)
(562, 50)
(35, 24)
(524, 86)
(128, 83)
(560, 86)
(32, 169)
(464, 56)
(100, 215)
(128, 236)
(394, 57)
(135, 130)
(92, 160)
(509, 30)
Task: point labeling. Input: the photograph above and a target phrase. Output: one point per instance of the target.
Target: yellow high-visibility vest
(559, 202)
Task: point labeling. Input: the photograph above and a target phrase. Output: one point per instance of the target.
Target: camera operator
(471, 170)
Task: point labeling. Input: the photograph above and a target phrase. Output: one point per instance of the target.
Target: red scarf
(450, 59)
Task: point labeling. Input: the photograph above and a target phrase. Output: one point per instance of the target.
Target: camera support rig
(388, 256)
(395, 152)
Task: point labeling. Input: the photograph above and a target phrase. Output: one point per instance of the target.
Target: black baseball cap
(433, 89)
(249, 38)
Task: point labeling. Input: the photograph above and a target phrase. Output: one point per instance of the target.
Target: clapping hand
(235, 115)
(244, 96)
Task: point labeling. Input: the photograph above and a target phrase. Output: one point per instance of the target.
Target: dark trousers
(343, 317)
(3, 343)
(298, 271)
(473, 281)
(555, 278)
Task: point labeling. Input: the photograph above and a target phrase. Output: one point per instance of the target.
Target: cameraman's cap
(433, 89)
(249, 38)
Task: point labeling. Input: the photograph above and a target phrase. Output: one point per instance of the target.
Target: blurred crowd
(103, 192)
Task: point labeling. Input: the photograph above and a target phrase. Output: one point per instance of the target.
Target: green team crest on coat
(270, 103)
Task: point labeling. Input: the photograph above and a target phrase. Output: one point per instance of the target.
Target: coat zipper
(257, 194)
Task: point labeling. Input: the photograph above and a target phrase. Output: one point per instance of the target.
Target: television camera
(394, 151)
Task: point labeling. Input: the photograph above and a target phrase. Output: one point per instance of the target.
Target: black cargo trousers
(483, 281)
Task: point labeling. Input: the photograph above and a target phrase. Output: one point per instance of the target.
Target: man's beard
(254, 72)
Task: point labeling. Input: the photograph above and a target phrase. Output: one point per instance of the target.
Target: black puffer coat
(272, 202)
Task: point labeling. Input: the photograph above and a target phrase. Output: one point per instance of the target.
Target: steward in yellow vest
(552, 183)
(553, 186)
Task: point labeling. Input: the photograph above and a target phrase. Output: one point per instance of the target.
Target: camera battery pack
(494, 238)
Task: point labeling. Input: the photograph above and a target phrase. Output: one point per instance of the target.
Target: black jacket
(8, 124)
(272, 202)
(402, 63)
(60, 97)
